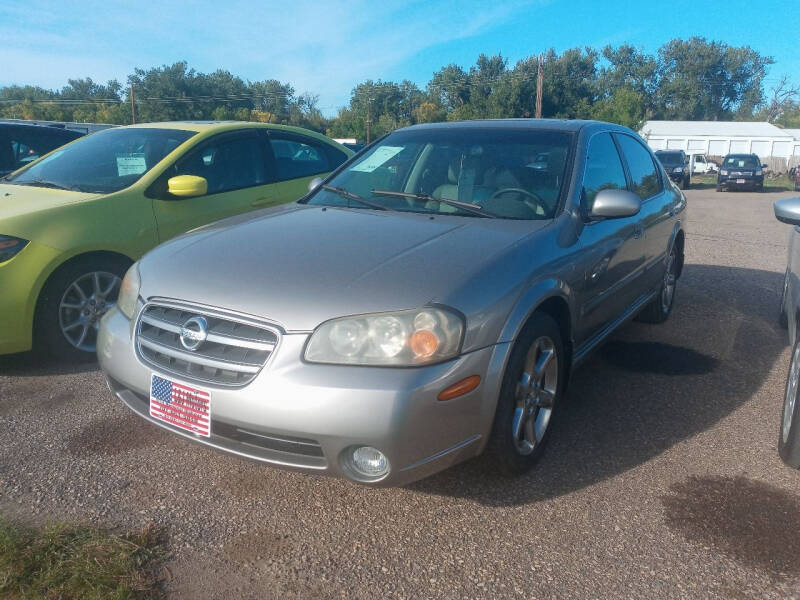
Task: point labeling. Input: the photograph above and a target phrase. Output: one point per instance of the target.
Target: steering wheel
(540, 203)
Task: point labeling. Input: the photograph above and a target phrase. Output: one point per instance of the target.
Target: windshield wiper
(351, 196)
(45, 184)
(475, 209)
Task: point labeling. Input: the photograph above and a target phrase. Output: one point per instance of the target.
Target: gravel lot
(662, 479)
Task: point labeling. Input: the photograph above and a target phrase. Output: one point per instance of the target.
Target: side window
(603, 169)
(228, 164)
(644, 175)
(297, 156)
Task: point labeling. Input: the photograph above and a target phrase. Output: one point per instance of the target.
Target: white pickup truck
(700, 164)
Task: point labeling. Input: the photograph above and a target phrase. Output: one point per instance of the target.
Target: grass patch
(773, 184)
(68, 562)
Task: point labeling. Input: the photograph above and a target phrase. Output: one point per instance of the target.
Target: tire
(788, 442)
(660, 307)
(531, 402)
(66, 323)
(685, 184)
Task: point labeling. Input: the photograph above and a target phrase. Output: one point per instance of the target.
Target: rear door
(614, 248)
(658, 207)
(239, 175)
(298, 159)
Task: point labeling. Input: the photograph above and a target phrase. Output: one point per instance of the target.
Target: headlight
(677, 170)
(10, 247)
(759, 172)
(405, 338)
(723, 172)
(129, 292)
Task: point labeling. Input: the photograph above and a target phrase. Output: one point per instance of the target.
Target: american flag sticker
(181, 405)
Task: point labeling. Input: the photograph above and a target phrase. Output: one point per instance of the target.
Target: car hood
(24, 200)
(301, 265)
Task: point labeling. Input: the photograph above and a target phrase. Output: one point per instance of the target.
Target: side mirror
(612, 204)
(187, 186)
(788, 211)
(314, 183)
(765, 166)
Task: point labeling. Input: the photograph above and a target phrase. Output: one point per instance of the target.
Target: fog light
(369, 462)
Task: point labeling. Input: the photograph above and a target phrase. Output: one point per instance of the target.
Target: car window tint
(644, 176)
(603, 169)
(227, 164)
(295, 158)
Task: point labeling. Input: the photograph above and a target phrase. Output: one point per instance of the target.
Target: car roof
(221, 126)
(540, 124)
(38, 127)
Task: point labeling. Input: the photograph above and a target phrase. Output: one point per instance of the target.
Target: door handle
(261, 201)
(638, 231)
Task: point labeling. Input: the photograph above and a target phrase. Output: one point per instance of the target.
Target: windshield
(493, 172)
(103, 162)
(670, 159)
(739, 162)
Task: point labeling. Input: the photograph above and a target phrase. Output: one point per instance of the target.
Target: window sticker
(377, 158)
(132, 163)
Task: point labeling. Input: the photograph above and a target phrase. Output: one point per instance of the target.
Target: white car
(701, 164)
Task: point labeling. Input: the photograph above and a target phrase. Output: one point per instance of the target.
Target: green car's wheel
(71, 304)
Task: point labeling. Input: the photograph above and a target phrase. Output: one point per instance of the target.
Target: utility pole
(133, 108)
(539, 82)
(369, 117)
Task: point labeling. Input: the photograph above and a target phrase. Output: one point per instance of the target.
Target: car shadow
(28, 364)
(647, 389)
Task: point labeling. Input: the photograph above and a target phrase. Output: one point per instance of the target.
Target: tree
(701, 80)
(625, 107)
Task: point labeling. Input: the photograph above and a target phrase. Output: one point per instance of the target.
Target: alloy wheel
(791, 394)
(535, 395)
(668, 286)
(83, 303)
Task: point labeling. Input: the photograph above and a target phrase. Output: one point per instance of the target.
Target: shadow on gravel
(750, 521)
(113, 436)
(647, 389)
(27, 364)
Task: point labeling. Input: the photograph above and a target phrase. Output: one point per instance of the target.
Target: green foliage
(693, 79)
(70, 562)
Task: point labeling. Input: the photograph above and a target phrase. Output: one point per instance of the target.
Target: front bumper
(21, 280)
(739, 182)
(305, 416)
(677, 177)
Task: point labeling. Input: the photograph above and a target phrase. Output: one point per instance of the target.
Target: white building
(718, 138)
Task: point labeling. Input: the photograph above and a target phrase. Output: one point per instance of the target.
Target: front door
(239, 180)
(613, 248)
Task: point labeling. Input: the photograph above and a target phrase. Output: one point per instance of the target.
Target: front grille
(234, 351)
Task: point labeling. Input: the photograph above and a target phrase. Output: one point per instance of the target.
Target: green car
(72, 222)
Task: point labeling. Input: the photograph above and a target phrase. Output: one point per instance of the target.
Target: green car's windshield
(469, 171)
(104, 162)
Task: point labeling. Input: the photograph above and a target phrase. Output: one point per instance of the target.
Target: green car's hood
(19, 200)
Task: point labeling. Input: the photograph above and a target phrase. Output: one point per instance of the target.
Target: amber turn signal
(459, 389)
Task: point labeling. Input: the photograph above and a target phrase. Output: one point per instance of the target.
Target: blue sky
(328, 47)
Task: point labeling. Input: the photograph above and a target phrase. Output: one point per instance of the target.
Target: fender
(530, 300)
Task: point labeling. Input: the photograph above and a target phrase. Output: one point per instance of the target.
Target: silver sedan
(425, 303)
